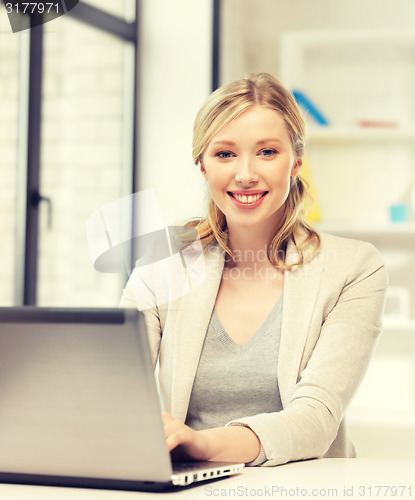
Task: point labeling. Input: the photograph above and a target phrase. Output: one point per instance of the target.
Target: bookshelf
(358, 173)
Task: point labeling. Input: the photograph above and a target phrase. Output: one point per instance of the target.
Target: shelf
(345, 134)
(361, 164)
(321, 38)
(405, 420)
(398, 326)
(404, 229)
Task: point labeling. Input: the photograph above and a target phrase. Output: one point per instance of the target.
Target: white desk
(329, 478)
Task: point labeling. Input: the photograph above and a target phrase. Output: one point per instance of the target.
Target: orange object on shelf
(378, 124)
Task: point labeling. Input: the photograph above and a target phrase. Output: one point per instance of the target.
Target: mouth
(248, 199)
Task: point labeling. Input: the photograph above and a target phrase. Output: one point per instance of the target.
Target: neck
(249, 246)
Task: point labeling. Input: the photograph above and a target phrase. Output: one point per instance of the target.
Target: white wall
(251, 30)
(174, 83)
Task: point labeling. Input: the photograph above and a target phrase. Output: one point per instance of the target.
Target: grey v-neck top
(234, 381)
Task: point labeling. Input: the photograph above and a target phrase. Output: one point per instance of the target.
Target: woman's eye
(224, 154)
(268, 152)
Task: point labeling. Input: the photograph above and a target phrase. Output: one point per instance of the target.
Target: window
(83, 161)
(76, 150)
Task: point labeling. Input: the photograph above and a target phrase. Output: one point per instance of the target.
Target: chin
(245, 222)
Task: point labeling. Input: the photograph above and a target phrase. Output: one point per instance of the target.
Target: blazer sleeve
(309, 424)
(138, 294)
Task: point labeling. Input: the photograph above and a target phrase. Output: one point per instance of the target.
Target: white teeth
(247, 199)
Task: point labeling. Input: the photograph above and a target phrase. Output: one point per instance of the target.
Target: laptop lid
(78, 397)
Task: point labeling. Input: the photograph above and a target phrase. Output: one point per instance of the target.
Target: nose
(245, 173)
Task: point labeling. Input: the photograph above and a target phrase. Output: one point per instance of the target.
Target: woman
(260, 362)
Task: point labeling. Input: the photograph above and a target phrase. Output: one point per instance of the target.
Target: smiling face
(248, 166)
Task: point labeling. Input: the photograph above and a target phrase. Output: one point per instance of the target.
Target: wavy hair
(223, 106)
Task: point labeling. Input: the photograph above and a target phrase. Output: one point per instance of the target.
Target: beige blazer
(332, 311)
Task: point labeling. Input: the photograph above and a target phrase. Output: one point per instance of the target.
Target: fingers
(178, 435)
(175, 431)
(170, 424)
(167, 419)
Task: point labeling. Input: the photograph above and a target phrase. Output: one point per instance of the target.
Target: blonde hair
(223, 106)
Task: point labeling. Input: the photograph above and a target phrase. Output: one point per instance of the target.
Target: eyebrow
(269, 139)
(260, 142)
(225, 143)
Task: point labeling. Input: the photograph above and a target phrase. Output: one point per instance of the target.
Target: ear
(202, 170)
(296, 167)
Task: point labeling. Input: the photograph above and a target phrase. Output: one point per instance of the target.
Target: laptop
(79, 404)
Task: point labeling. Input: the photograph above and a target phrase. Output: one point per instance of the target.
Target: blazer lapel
(190, 331)
(301, 287)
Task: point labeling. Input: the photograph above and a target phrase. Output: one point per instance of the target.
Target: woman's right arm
(138, 295)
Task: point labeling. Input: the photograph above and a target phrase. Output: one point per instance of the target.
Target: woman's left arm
(308, 425)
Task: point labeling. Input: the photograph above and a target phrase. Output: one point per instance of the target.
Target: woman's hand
(183, 441)
(227, 444)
